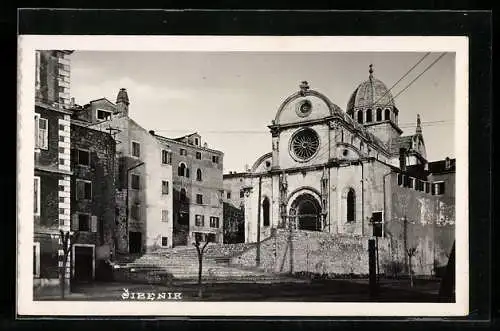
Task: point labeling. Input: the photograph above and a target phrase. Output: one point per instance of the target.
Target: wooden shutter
(80, 190)
(37, 143)
(43, 133)
(93, 225)
(74, 222)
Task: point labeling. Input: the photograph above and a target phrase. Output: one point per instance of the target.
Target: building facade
(92, 201)
(52, 173)
(143, 189)
(336, 172)
(198, 189)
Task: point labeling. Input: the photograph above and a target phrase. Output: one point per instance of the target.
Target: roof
(185, 136)
(405, 142)
(440, 166)
(372, 93)
(171, 140)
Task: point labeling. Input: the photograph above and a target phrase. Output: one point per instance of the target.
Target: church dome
(372, 93)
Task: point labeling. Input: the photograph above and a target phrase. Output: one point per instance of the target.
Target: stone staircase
(181, 263)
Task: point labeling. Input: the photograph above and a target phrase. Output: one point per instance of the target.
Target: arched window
(369, 116)
(183, 195)
(360, 116)
(379, 114)
(351, 205)
(387, 114)
(198, 175)
(181, 170)
(265, 210)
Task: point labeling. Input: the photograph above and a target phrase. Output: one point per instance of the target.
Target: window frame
(199, 175)
(166, 157)
(132, 142)
(78, 150)
(198, 155)
(164, 212)
(199, 201)
(89, 221)
(349, 191)
(105, 111)
(199, 220)
(85, 181)
(132, 182)
(216, 222)
(163, 185)
(38, 197)
(215, 159)
(436, 189)
(36, 271)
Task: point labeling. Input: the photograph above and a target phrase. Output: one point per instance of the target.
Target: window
(379, 114)
(182, 170)
(265, 211)
(198, 175)
(427, 187)
(242, 194)
(136, 149)
(438, 188)
(41, 132)
(135, 211)
(198, 155)
(387, 114)
(214, 222)
(199, 220)
(61, 139)
(103, 115)
(61, 161)
(215, 159)
(164, 187)
(411, 183)
(83, 190)
(351, 204)
(135, 182)
(368, 115)
(164, 241)
(199, 199)
(196, 141)
(183, 196)
(164, 215)
(83, 157)
(183, 152)
(61, 150)
(166, 158)
(36, 197)
(84, 222)
(36, 259)
(228, 195)
(360, 117)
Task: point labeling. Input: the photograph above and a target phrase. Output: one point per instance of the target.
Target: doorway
(308, 212)
(83, 267)
(135, 242)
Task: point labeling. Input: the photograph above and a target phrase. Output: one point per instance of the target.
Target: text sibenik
(151, 296)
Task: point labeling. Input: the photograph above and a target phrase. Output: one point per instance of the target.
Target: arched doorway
(308, 212)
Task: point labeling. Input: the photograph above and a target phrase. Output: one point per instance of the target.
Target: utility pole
(257, 257)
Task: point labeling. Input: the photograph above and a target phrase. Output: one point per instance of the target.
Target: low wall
(315, 252)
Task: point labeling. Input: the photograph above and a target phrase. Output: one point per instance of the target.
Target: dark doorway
(308, 212)
(135, 242)
(84, 263)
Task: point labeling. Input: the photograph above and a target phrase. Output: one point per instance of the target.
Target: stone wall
(101, 173)
(315, 252)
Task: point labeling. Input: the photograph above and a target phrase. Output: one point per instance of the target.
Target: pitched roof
(440, 166)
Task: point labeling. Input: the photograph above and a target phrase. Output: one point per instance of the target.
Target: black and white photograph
(250, 175)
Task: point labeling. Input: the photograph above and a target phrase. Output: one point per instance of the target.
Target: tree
(200, 251)
(67, 241)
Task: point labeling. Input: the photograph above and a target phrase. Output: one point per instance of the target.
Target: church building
(346, 175)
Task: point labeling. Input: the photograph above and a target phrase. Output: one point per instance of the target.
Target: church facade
(340, 172)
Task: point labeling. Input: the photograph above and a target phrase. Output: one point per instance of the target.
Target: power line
(423, 72)
(406, 74)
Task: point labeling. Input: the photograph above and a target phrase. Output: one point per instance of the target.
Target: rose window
(304, 144)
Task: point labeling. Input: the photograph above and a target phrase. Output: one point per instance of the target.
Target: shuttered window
(36, 197)
(83, 190)
(41, 132)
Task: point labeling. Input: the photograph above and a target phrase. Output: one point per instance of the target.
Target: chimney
(122, 102)
(402, 159)
(152, 132)
(447, 163)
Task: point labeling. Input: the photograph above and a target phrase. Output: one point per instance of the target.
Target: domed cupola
(372, 102)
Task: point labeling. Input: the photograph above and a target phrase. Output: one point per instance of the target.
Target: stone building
(197, 189)
(52, 173)
(92, 201)
(74, 180)
(331, 174)
(143, 194)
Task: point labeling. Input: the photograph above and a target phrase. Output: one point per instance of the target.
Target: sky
(230, 98)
